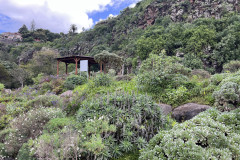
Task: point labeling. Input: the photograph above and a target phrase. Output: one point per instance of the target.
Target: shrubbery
(210, 135)
(232, 66)
(26, 126)
(136, 118)
(158, 73)
(102, 80)
(74, 80)
(228, 97)
(1, 86)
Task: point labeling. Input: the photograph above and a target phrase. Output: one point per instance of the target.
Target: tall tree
(73, 29)
(20, 75)
(33, 26)
(23, 29)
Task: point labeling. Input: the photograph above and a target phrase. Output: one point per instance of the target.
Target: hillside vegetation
(171, 53)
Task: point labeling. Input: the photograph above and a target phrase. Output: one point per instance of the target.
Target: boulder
(67, 94)
(188, 111)
(166, 109)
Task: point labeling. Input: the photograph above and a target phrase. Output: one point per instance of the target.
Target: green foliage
(102, 80)
(43, 62)
(74, 80)
(175, 97)
(228, 97)
(158, 73)
(110, 60)
(232, 66)
(131, 115)
(4, 120)
(1, 86)
(26, 126)
(37, 80)
(196, 139)
(57, 124)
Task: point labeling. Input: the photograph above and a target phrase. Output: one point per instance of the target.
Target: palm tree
(73, 29)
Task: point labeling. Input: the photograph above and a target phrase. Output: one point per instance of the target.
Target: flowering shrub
(210, 135)
(47, 100)
(26, 126)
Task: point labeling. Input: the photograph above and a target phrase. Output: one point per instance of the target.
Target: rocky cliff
(187, 10)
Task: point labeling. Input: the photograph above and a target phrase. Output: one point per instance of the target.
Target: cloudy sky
(57, 15)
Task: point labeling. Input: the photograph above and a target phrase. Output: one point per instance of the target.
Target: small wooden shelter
(75, 60)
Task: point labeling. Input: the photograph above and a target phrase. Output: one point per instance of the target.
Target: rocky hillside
(110, 33)
(187, 10)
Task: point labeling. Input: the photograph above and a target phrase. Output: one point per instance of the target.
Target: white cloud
(134, 3)
(55, 15)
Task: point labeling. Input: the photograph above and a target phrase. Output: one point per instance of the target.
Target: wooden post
(89, 70)
(100, 67)
(66, 68)
(57, 68)
(76, 61)
(104, 68)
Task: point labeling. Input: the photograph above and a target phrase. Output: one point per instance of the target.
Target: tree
(33, 26)
(73, 29)
(108, 60)
(44, 62)
(23, 30)
(20, 74)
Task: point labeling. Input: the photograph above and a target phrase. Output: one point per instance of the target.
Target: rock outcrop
(188, 111)
(187, 10)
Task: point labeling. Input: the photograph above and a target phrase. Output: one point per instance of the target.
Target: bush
(232, 66)
(201, 73)
(207, 136)
(216, 79)
(137, 119)
(228, 97)
(1, 86)
(74, 80)
(176, 97)
(57, 124)
(26, 126)
(102, 80)
(47, 100)
(158, 73)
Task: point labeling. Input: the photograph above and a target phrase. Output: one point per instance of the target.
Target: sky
(58, 15)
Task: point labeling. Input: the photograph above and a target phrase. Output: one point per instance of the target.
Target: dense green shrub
(177, 96)
(85, 143)
(210, 135)
(228, 97)
(102, 80)
(1, 87)
(216, 79)
(58, 124)
(232, 66)
(137, 119)
(26, 126)
(158, 73)
(74, 80)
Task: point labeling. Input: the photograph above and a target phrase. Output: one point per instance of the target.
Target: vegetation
(117, 114)
(210, 135)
